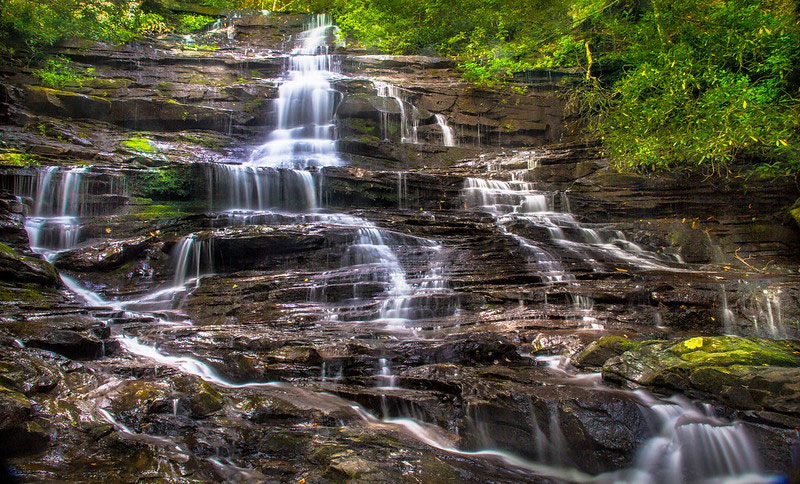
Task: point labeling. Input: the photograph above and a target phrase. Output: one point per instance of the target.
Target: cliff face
(445, 267)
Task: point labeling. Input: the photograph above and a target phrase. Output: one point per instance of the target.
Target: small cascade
(192, 258)
(516, 202)
(385, 377)
(522, 213)
(402, 189)
(448, 135)
(409, 118)
(371, 264)
(762, 313)
(692, 445)
(62, 199)
(768, 320)
(305, 132)
(728, 317)
(246, 187)
(757, 312)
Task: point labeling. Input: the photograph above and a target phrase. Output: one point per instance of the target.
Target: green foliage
(190, 22)
(688, 85)
(492, 39)
(141, 145)
(43, 22)
(704, 86)
(58, 72)
(163, 183)
(17, 158)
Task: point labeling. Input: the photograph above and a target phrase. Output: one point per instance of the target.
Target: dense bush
(708, 86)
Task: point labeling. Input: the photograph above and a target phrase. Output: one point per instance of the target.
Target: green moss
(17, 158)
(141, 145)
(100, 83)
(205, 400)
(200, 47)
(6, 295)
(155, 212)
(598, 352)
(170, 182)
(7, 250)
(59, 71)
(730, 350)
(254, 106)
(209, 140)
(618, 344)
(794, 212)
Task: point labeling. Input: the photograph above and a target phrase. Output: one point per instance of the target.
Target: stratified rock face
(408, 310)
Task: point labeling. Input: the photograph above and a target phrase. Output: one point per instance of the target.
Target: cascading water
(689, 445)
(54, 223)
(193, 257)
(279, 172)
(448, 136)
(409, 120)
(757, 312)
(62, 199)
(692, 445)
(402, 189)
(373, 258)
(516, 202)
(244, 187)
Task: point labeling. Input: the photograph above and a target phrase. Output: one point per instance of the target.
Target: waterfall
(448, 136)
(193, 257)
(402, 189)
(409, 120)
(520, 202)
(692, 445)
(252, 188)
(305, 132)
(515, 203)
(278, 173)
(62, 197)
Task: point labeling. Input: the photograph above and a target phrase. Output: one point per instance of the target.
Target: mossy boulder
(202, 399)
(598, 352)
(25, 375)
(205, 401)
(745, 373)
(16, 267)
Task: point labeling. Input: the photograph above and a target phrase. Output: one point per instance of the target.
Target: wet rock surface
(411, 315)
(747, 374)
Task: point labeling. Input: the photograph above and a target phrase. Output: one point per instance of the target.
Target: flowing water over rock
(294, 318)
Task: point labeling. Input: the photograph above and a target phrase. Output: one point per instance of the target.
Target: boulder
(15, 267)
(745, 373)
(600, 351)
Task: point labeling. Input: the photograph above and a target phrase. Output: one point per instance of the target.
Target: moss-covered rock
(746, 373)
(598, 352)
(139, 145)
(16, 267)
(794, 212)
(202, 399)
